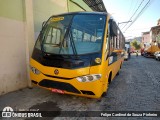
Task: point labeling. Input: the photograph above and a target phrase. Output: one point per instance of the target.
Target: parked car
(157, 56)
(150, 51)
(157, 52)
(148, 54)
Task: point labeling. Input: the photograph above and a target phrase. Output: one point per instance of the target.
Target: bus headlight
(35, 70)
(89, 78)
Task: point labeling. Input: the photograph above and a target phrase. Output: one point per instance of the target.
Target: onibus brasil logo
(9, 112)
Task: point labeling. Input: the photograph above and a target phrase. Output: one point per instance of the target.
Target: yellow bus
(77, 53)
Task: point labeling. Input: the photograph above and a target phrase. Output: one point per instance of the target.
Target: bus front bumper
(72, 86)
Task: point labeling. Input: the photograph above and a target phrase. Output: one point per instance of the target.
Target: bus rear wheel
(118, 73)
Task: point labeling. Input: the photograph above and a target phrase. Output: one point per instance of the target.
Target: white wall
(13, 70)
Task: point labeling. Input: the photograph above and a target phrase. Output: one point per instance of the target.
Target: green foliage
(135, 44)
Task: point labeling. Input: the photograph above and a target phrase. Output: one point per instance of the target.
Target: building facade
(145, 39)
(155, 35)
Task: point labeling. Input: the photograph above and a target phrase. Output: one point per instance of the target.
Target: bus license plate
(57, 91)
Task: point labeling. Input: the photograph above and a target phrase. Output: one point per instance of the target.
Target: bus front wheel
(109, 81)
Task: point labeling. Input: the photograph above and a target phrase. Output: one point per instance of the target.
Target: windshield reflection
(73, 34)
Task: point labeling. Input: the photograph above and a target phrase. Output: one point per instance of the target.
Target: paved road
(135, 89)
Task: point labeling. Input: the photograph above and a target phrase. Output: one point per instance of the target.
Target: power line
(134, 13)
(132, 7)
(142, 10)
(139, 29)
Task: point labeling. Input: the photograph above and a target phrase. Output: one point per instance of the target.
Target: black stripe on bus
(66, 61)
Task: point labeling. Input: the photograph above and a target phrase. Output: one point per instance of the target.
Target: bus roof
(83, 12)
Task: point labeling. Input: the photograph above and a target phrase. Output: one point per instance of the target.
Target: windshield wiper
(42, 39)
(65, 35)
(69, 34)
(72, 43)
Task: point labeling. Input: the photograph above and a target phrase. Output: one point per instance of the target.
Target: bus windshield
(73, 34)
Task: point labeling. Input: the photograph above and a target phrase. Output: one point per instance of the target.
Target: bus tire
(110, 77)
(119, 68)
(118, 73)
(121, 65)
(104, 94)
(109, 81)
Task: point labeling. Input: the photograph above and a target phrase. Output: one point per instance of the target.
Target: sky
(123, 10)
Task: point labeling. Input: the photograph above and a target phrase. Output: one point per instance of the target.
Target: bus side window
(53, 35)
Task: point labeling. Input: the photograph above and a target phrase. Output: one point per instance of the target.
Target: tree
(136, 45)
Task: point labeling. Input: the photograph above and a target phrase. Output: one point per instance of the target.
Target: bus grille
(58, 85)
(87, 92)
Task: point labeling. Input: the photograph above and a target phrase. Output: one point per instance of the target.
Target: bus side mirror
(43, 23)
(107, 54)
(113, 28)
